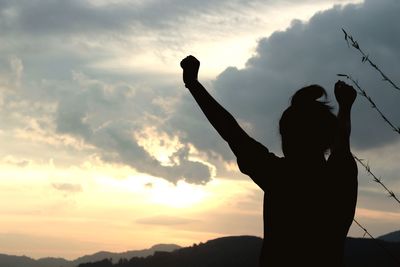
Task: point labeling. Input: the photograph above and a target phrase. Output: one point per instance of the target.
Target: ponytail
(308, 95)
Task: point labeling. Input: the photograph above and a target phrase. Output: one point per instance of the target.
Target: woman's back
(309, 202)
(308, 211)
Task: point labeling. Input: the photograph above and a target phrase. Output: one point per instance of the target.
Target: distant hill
(125, 255)
(23, 261)
(53, 262)
(234, 251)
(365, 252)
(243, 251)
(16, 261)
(391, 237)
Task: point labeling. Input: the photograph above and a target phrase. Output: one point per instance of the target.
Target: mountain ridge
(243, 251)
(225, 251)
(25, 261)
(391, 237)
(115, 256)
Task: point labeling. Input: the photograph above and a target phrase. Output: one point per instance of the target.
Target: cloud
(314, 52)
(15, 161)
(11, 74)
(108, 116)
(61, 17)
(67, 187)
(104, 116)
(105, 109)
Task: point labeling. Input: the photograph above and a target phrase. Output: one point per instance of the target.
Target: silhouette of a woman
(309, 202)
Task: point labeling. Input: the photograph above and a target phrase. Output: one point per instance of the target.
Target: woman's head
(308, 126)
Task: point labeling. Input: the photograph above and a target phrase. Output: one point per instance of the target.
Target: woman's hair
(307, 125)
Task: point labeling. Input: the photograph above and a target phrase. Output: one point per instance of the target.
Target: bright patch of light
(181, 195)
(159, 145)
(154, 192)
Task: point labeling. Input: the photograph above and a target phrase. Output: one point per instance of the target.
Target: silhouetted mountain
(17, 261)
(365, 252)
(23, 261)
(243, 251)
(235, 251)
(391, 237)
(54, 262)
(115, 257)
(227, 251)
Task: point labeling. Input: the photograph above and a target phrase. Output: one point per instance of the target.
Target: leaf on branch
(346, 37)
(368, 168)
(365, 58)
(344, 31)
(345, 34)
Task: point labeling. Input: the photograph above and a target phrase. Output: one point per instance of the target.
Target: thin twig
(365, 58)
(377, 180)
(365, 95)
(376, 241)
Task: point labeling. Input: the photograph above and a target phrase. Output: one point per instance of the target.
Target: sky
(102, 147)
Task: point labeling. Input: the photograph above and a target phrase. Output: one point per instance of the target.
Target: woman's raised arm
(219, 117)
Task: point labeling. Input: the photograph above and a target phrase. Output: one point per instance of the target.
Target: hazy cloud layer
(64, 17)
(61, 17)
(14, 243)
(165, 220)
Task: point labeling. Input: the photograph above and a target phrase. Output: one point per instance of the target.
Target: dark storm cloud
(314, 52)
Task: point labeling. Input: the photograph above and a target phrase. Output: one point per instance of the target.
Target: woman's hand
(345, 94)
(190, 66)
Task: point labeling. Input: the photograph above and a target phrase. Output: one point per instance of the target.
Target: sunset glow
(103, 148)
